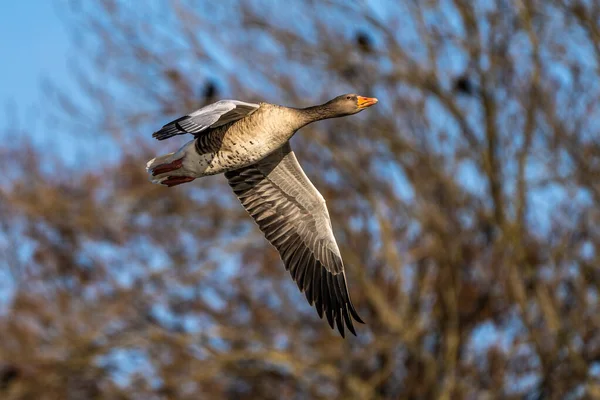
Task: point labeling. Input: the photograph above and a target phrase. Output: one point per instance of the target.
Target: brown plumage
(250, 144)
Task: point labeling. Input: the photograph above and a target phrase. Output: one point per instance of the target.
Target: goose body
(249, 143)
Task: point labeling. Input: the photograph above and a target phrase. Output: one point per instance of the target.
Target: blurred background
(466, 203)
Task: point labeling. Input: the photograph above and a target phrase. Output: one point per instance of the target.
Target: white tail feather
(182, 166)
(159, 160)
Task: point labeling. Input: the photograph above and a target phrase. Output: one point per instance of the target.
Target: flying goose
(250, 144)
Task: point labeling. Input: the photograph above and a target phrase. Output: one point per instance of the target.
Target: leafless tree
(466, 206)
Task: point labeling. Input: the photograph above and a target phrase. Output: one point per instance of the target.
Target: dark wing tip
(330, 297)
(170, 129)
(326, 290)
(167, 132)
(347, 319)
(355, 314)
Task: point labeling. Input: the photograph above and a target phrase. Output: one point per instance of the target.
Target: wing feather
(211, 116)
(294, 218)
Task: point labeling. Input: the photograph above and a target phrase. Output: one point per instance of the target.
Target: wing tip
(170, 129)
(354, 313)
(338, 306)
(340, 325)
(166, 133)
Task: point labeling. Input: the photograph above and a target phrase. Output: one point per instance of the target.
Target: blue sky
(34, 46)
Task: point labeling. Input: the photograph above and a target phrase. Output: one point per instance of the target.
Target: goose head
(348, 104)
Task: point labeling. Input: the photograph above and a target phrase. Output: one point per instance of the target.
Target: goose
(249, 143)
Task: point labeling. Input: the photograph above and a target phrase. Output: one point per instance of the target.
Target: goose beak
(364, 102)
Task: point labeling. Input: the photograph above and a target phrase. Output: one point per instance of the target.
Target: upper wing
(210, 116)
(293, 216)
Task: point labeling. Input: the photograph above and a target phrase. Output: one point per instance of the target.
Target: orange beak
(364, 102)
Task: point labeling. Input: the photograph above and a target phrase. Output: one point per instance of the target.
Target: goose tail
(167, 170)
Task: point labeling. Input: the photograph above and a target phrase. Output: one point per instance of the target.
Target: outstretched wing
(210, 116)
(293, 216)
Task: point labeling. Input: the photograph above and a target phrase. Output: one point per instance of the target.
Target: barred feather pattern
(294, 218)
